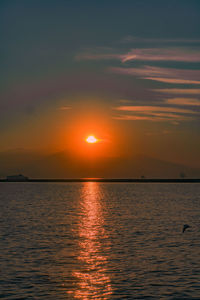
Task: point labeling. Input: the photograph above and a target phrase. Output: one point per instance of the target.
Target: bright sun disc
(91, 139)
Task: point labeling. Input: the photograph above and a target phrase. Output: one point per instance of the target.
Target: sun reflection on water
(92, 279)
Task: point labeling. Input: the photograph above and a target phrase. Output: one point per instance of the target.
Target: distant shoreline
(143, 180)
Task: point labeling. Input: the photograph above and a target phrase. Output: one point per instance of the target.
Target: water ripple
(99, 241)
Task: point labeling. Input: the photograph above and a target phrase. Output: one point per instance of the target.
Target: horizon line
(140, 180)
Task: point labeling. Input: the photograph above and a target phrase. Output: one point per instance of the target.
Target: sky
(127, 72)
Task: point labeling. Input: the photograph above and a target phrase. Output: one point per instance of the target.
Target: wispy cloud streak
(184, 101)
(129, 39)
(67, 107)
(154, 113)
(154, 109)
(179, 91)
(167, 75)
(154, 118)
(173, 80)
(150, 54)
(160, 54)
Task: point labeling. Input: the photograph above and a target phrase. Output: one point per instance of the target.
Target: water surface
(99, 241)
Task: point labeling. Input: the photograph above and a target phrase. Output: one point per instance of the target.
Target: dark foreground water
(99, 241)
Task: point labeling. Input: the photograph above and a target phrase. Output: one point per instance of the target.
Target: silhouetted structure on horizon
(19, 177)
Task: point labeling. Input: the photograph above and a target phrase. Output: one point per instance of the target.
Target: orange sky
(131, 80)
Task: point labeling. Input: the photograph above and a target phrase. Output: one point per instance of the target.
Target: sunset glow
(115, 101)
(100, 149)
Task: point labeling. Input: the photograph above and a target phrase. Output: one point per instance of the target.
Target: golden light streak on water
(93, 282)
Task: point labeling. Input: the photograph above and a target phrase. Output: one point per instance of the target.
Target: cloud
(151, 109)
(179, 91)
(184, 101)
(129, 39)
(150, 54)
(173, 80)
(167, 75)
(154, 118)
(160, 54)
(67, 107)
(133, 118)
(154, 113)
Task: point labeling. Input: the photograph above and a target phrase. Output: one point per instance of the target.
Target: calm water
(99, 241)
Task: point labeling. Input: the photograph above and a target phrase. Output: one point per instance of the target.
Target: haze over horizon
(62, 165)
(127, 73)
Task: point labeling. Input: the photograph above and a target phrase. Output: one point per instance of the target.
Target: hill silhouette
(64, 165)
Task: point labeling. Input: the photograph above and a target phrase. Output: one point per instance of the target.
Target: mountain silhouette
(64, 165)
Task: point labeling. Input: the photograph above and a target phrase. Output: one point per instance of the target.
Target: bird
(185, 226)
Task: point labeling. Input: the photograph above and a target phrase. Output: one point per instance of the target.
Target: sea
(95, 240)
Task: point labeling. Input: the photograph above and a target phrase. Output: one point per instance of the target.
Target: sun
(91, 139)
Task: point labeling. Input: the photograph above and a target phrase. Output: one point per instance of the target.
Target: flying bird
(185, 226)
